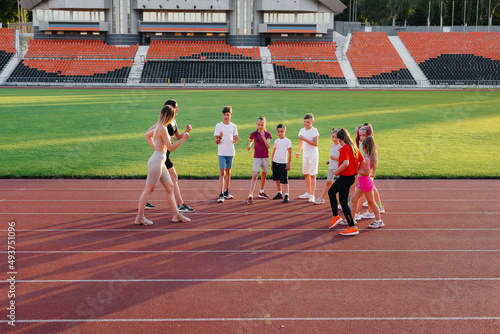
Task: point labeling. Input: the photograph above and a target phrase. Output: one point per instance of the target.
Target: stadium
(238, 43)
(80, 90)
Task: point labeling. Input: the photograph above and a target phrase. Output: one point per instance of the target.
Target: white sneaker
(365, 204)
(368, 215)
(381, 208)
(319, 200)
(357, 217)
(312, 199)
(339, 207)
(376, 224)
(142, 221)
(305, 196)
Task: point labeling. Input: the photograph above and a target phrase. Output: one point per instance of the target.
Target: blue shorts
(225, 162)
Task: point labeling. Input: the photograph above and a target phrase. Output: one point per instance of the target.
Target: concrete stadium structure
(238, 22)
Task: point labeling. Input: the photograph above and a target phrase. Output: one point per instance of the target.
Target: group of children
(350, 173)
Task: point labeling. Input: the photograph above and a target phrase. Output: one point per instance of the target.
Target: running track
(83, 267)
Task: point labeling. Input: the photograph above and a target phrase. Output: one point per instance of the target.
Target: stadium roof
(29, 4)
(335, 5)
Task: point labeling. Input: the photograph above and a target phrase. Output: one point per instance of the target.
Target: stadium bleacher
(55, 61)
(306, 63)
(458, 58)
(201, 62)
(375, 61)
(469, 58)
(7, 46)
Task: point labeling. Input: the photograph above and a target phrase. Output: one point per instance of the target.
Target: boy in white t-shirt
(308, 137)
(281, 162)
(226, 135)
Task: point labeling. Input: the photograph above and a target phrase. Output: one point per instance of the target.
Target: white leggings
(157, 170)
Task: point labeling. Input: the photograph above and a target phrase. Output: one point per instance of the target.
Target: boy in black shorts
(281, 159)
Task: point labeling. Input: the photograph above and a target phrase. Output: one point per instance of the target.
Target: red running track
(82, 266)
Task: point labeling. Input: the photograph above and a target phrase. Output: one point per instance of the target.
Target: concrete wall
(287, 5)
(78, 4)
(37, 34)
(220, 5)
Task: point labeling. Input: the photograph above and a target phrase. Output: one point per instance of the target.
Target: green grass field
(99, 132)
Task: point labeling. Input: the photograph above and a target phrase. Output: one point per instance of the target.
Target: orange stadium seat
(456, 57)
(374, 60)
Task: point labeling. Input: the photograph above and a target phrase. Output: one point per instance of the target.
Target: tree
(8, 13)
(495, 5)
(401, 9)
(375, 12)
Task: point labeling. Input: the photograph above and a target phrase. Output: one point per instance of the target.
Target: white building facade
(238, 22)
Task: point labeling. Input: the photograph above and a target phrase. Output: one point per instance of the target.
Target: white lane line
(472, 229)
(468, 213)
(139, 189)
(266, 319)
(211, 200)
(230, 280)
(253, 251)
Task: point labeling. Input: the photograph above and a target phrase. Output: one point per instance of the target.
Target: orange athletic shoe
(350, 231)
(335, 221)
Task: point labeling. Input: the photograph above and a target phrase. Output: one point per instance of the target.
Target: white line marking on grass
(230, 280)
(257, 319)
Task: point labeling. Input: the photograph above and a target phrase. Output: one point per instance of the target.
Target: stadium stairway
(11, 65)
(138, 65)
(267, 66)
(345, 65)
(410, 63)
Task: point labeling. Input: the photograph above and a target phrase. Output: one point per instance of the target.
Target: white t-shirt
(334, 152)
(226, 146)
(281, 146)
(309, 150)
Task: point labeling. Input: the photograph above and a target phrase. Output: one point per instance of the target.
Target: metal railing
(247, 82)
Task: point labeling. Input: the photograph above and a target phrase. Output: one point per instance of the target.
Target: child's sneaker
(350, 231)
(286, 200)
(278, 196)
(221, 198)
(227, 195)
(305, 196)
(368, 215)
(335, 221)
(263, 195)
(319, 200)
(250, 200)
(142, 221)
(185, 208)
(376, 224)
(149, 206)
(180, 218)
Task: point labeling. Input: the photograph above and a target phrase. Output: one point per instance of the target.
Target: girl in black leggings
(349, 163)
